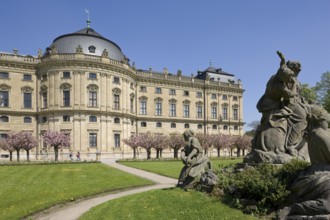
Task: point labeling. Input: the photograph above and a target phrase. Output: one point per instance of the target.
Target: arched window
(225, 127)
(199, 126)
(143, 124)
(4, 119)
(235, 127)
(158, 125)
(66, 118)
(44, 120)
(27, 119)
(91, 49)
(186, 125)
(215, 127)
(173, 125)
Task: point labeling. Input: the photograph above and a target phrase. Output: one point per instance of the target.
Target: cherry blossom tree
(221, 141)
(134, 142)
(147, 142)
(4, 145)
(242, 143)
(57, 140)
(204, 140)
(21, 141)
(175, 141)
(159, 143)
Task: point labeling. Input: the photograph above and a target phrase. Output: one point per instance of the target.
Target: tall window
(158, 90)
(117, 140)
(213, 96)
(186, 109)
(199, 94)
(199, 111)
(132, 105)
(66, 98)
(27, 100)
(92, 139)
(235, 113)
(214, 112)
(92, 98)
(44, 100)
(172, 108)
(116, 102)
(4, 99)
(172, 92)
(143, 106)
(158, 107)
(225, 113)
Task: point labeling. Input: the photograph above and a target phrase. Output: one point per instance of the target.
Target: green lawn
(168, 204)
(172, 168)
(27, 189)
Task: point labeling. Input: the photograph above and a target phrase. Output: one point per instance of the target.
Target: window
(225, 127)
(3, 136)
(158, 90)
(4, 99)
(172, 108)
(214, 127)
(66, 98)
(213, 96)
(186, 110)
(92, 139)
(4, 119)
(225, 113)
(92, 99)
(117, 140)
(27, 120)
(185, 93)
(4, 75)
(224, 97)
(199, 126)
(186, 126)
(172, 92)
(27, 96)
(44, 120)
(116, 102)
(199, 111)
(143, 106)
(92, 76)
(199, 94)
(158, 125)
(44, 100)
(27, 77)
(235, 127)
(173, 125)
(132, 105)
(158, 108)
(92, 118)
(235, 114)
(66, 118)
(44, 77)
(213, 112)
(234, 98)
(143, 124)
(66, 75)
(116, 80)
(91, 49)
(143, 89)
(117, 120)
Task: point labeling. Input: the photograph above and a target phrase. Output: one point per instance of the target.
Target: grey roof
(85, 38)
(216, 74)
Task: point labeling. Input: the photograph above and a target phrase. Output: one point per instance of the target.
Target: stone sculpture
(280, 136)
(195, 163)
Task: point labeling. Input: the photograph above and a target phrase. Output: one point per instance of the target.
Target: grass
(168, 204)
(172, 168)
(25, 190)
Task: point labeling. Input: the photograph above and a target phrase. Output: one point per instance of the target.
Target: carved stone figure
(195, 163)
(279, 137)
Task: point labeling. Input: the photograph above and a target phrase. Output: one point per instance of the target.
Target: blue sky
(240, 36)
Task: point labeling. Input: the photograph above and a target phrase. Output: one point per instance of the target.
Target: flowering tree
(204, 140)
(134, 142)
(21, 140)
(242, 143)
(56, 140)
(147, 142)
(159, 143)
(175, 141)
(4, 145)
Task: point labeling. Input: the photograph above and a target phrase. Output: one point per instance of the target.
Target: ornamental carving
(199, 103)
(116, 91)
(27, 89)
(143, 98)
(65, 86)
(4, 87)
(43, 88)
(158, 99)
(172, 100)
(132, 95)
(92, 87)
(105, 53)
(76, 72)
(79, 49)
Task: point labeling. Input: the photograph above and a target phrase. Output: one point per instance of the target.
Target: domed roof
(91, 43)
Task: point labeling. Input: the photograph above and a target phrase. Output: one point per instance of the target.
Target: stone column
(103, 91)
(83, 90)
(77, 90)
(57, 101)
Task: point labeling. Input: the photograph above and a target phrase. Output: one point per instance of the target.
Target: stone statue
(280, 136)
(310, 192)
(195, 163)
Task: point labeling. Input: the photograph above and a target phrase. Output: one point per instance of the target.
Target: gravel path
(73, 210)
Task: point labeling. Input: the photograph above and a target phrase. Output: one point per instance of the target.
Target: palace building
(85, 86)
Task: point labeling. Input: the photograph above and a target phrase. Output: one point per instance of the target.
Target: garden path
(72, 211)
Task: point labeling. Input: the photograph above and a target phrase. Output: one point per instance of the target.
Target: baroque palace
(85, 86)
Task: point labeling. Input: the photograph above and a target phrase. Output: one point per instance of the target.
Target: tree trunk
(231, 152)
(17, 153)
(218, 152)
(161, 153)
(10, 156)
(56, 153)
(148, 154)
(157, 154)
(134, 153)
(238, 152)
(28, 155)
(176, 153)
(243, 152)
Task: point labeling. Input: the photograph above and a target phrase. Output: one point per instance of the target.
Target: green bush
(260, 189)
